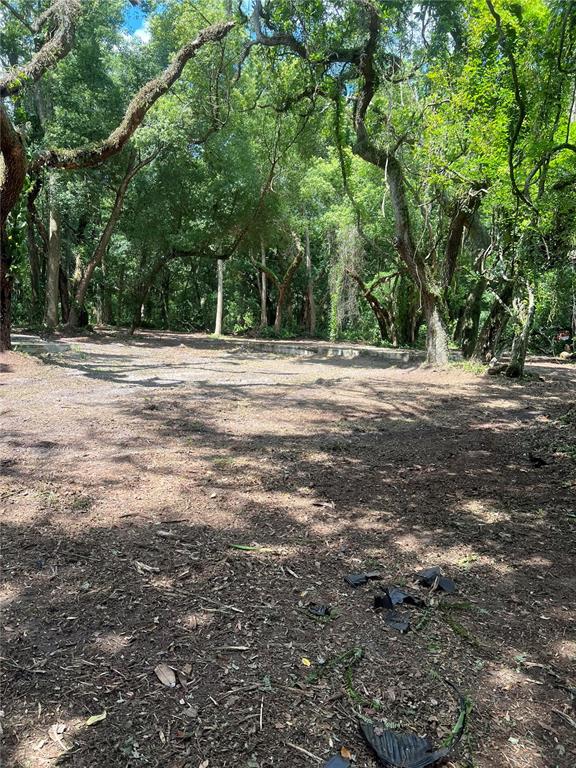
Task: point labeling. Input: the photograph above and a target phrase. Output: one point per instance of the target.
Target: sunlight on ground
(8, 594)
(112, 642)
(507, 678)
(566, 649)
(484, 511)
(38, 747)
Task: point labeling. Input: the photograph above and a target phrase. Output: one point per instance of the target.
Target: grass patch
(471, 366)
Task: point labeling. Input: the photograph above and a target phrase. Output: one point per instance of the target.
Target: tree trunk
(469, 324)
(53, 265)
(515, 368)
(12, 166)
(5, 292)
(494, 325)
(220, 299)
(284, 287)
(104, 241)
(311, 316)
(165, 299)
(35, 255)
(107, 313)
(406, 310)
(120, 293)
(64, 292)
(436, 336)
(382, 314)
(263, 289)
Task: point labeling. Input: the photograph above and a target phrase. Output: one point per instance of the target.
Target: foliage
(254, 144)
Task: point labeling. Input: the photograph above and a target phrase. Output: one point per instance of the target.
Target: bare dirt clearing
(128, 469)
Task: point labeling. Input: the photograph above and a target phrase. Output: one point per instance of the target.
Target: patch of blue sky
(134, 19)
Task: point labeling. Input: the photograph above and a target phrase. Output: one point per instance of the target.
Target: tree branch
(90, 155)
(278, 39)
(544, 159)
(17, 15)
(134, 166)
(462, 217)
(65, 13)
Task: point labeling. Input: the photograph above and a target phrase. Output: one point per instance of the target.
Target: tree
(63, 15)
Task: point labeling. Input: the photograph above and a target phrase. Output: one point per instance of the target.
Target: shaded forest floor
(130, 467)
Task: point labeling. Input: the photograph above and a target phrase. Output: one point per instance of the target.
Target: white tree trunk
(310, 288)
(53, 264)
(220, 300)
(263, 289)
(436, 336)
(515, 368)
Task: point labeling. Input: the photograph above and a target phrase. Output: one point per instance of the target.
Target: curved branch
(278, 39)
(90, 155)
(65, 13)
(545, 158)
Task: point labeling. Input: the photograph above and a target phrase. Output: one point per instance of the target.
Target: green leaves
(94, 719)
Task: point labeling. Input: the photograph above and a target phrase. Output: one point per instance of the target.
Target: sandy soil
(128, 470)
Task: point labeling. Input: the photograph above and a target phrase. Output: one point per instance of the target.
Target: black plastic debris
(337, 762)
(433, 578)
(392, 596)
(396, 621)
(397, 749)
(357, 579)
(319, 609)
(536, 461)
(383, 602)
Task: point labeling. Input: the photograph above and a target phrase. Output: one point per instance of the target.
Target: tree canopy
(401, 173)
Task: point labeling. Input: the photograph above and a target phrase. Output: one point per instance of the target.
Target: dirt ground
(129, 468)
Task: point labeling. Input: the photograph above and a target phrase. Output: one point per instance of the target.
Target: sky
(136, 24)
(134, 19)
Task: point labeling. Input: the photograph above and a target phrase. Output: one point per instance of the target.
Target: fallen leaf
(165, 674)
(345, 753)
(306, 662)
(142, 568)
(93, 719)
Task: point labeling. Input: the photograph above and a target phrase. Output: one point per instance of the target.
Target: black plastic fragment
(392, 596)
(395, 596)
(383, 601)
(432, 577)
(357, 579)
(319, 609)
(337, 762)
(396, 621)
(398, 749)
(537, 461)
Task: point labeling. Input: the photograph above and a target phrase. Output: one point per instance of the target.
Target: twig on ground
(304, 751)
